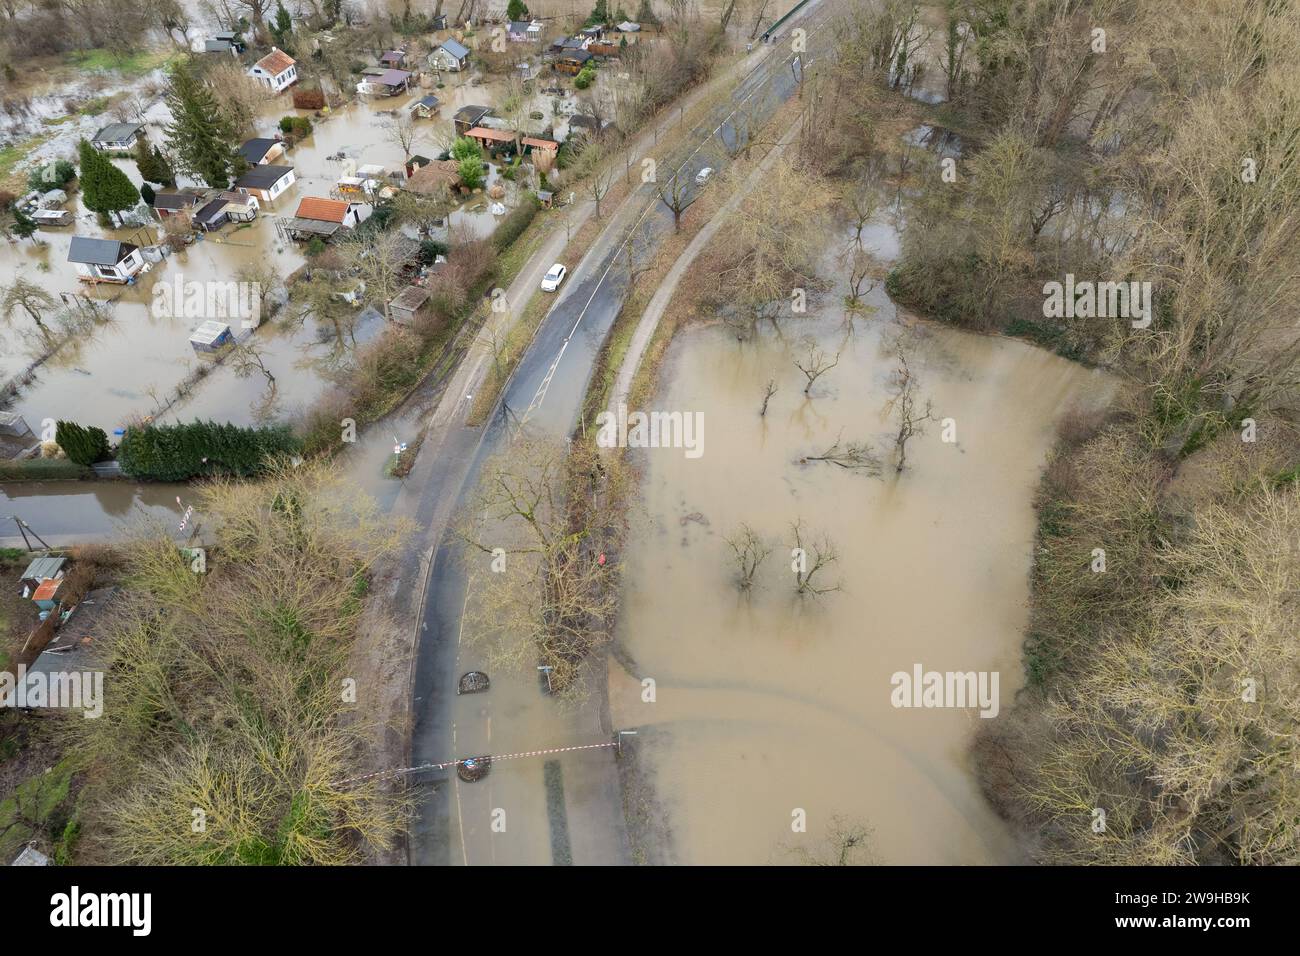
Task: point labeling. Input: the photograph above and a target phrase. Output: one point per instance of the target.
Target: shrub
(430, 249)
(385, 368)
(298, 126)
(308, 99)
(51, 176)
(202, 449)
(515, 222)
(83, 445)
(471, 173)
(465, 148)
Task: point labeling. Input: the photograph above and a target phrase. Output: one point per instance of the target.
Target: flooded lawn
(770, 703)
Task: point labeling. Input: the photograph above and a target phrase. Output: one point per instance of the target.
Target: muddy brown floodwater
(770, 704)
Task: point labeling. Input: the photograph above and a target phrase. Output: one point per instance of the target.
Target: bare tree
(910, 420)
(807, 566)
(848, 842)
(379, 258)
(675, 194)
(769, 390)
(594, 172)
(30, 298)
(402, 131)
(815, 364)
(547, 518)
(749, 551)
(860, 266)
(855, 456)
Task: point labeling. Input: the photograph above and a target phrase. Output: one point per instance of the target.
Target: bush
(471, 173)
(51, 176)
(465, 148)
(83, 445)
(515, 222)
(586, 76)
(308, 99)
(202, 449)
(430, 249)
(299, 126)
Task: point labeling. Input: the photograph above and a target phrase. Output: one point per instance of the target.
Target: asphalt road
(453, 821)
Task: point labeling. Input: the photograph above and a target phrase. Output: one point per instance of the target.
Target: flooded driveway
(771, 704)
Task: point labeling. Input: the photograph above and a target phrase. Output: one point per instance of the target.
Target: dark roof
(394, 77)
(212, 210)
(98, 252)
(176, 200)
(393, 56)
(263, 177)
(428, 102)
(117, 132)
(472, 114)
(73, 644)
(225, 35)
(519, 26)
(218, 46)
(255, 149)
(582, 56)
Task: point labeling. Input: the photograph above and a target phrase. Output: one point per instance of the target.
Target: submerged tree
(749, 551)
(810, 556)
(27, 296)
(910, 419)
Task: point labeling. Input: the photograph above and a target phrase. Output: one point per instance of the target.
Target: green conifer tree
(200, 135)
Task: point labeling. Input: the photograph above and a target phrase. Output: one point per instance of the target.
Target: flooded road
(770, 704)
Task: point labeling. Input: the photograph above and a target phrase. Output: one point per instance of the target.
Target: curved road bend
(453, 821)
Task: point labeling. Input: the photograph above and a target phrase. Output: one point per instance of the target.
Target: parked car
(704, 175)
(551, 281)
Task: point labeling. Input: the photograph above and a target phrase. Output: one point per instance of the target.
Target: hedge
(202, 449)
(83, 445)
(42, 469)
(512, 226)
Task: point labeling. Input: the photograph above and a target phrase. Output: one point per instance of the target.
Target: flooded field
(770, 704)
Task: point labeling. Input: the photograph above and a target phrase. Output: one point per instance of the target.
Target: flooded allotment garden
(771, 706)
(106, 355)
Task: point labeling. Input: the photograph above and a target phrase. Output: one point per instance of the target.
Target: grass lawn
(127, 64)
(11, 156)
(37, 809)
